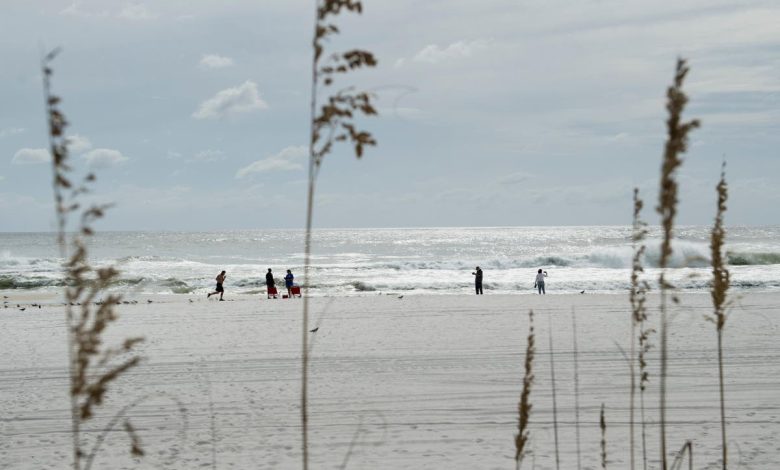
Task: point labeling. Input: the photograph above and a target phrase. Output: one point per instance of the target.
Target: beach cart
(273, 293)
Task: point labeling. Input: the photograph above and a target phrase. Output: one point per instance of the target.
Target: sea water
(387, 261)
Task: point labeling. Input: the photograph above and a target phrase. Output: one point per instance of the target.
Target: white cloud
(241, 99)
(515, 178)
(286, 160)
(433, 54)
(96, 9)
(214, 61)
(78, 143)
(104, 158)
(28, 156)
(209, 156)
(76, 9)
(11, 131)
(136, 12)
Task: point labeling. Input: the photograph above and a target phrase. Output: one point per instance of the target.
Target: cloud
(94, 9)
(136, 12)
(104, 158)
(11, 131)
(434, 54)
(209, 156)
(286, 160)
(515, 178)
(28, 156)
(241, 99)
(76, 9)
(214, 61)
(78, 143)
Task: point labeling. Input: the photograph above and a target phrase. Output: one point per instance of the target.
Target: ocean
(594, 259)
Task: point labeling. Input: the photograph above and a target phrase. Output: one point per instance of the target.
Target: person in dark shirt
(269, 279)
(288, 282)
(478, 280)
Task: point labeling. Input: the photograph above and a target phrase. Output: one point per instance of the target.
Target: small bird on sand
(23, 309)
(582, 292)
(400, 296)
(314, 330)
(148, 301)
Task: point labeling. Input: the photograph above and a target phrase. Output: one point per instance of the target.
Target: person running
(219, 290)
(288, 283)
(478, 280)
(539, 283)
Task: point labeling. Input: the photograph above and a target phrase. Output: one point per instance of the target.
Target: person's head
(540, 271)
(269, 270)
(289, 272)
(223, 272)
(477, 268)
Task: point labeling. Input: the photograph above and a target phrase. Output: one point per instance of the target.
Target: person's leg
(543, 291)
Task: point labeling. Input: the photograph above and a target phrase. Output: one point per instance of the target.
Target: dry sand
(422, 382)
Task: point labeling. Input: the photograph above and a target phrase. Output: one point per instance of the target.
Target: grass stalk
(687, 448)
(58, 147)
(575, 354)
(524, 406)
(720, 286)
(638, 316)
(676, 144)
(603, 426)
(332, 123)
(554, 398)
(91, 366)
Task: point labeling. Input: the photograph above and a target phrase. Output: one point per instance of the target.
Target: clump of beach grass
(89, 310)
(332, 121)
(718, 291)
(524, 406)
(638, 297)
(676, 145)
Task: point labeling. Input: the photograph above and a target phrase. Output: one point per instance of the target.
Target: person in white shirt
(539, 283)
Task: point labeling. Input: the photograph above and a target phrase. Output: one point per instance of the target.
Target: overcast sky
(492, 112)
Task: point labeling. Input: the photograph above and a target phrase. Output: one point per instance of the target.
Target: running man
(219, 290)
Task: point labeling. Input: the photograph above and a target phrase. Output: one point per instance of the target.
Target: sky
(194, 114)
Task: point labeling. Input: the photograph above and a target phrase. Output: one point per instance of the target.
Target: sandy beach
(415, 382)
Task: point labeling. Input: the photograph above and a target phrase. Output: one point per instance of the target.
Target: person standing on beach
(478, 280)
(288, 283)
(219, 290)
(539, 283)
(269, 279)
